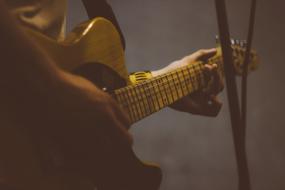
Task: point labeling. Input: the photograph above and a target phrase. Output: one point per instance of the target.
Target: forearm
(141, 76)
(172, 66)
(190, 59)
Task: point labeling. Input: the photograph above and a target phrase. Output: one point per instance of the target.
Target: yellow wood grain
(96, 40)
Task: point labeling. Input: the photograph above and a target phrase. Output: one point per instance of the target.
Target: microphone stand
(238, 127)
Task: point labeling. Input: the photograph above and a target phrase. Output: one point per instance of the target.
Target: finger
(183, 105)
(211, 109)
(215, 84)
(205, 54)
(208, 71)
(205, 105)
(214, 106)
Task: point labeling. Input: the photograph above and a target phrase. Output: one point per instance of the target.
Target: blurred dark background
(197, 152)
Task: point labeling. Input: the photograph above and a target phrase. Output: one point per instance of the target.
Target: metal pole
(239, 139)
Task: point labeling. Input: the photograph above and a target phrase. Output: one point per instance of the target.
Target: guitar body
(94, 51)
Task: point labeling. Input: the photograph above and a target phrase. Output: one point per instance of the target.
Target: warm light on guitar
(94, 51)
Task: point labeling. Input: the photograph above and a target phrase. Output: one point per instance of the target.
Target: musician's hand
(73, 107)
(204, 102)
(93, 107)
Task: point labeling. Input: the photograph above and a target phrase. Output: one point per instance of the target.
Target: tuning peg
(244, 43)
(217, 39)
(238, 42)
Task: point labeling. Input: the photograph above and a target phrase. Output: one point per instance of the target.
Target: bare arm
(198, 103)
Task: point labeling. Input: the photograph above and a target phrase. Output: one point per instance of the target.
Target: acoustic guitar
(94, 50)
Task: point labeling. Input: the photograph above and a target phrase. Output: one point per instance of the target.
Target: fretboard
(150, 96)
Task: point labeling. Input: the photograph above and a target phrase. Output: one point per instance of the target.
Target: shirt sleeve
(101, 8)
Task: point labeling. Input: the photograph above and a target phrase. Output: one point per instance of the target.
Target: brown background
(197, 152)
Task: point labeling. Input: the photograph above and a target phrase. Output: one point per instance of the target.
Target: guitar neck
(152, 95)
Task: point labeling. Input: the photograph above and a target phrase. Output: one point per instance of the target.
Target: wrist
(172, 66)
(157, 72)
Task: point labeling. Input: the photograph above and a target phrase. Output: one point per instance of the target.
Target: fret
(160, 96)
(142, 102)
(195, 77)
(192, 82)
(131, 107)
(180, 84)
(154, 85)
(149, 97)
(152, 95)
(137, 104)
(164, 93)
(175, 88)
(118, 98)
(167, 88)
(123, 103)
(158, 106)
(184, 85)
(170, 84)
(176, 85)
(203, 80)
(144, 99)
(134, 102)
(198, 69)
(186, 79)
(121, 100)
(127, 102)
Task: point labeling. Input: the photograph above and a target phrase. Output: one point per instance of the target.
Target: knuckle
(201, 51)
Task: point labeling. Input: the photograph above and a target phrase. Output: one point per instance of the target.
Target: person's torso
(46, 16)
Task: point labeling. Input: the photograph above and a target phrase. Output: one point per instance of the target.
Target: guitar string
(129, 103)
(145, 97)
(188, 67)
(133, 102)
(157, 85)
(145, 113)
(192, 72)
(154, 86)
(216, 60)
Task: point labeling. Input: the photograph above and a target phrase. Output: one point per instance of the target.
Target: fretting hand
(204, 102)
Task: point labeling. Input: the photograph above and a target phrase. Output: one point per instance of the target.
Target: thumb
(205, 54)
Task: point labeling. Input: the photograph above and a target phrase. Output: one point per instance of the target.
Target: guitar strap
(238, 119)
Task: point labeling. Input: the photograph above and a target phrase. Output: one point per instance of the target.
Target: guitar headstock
(239, 50)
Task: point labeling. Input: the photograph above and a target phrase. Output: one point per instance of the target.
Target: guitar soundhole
(102, 76)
